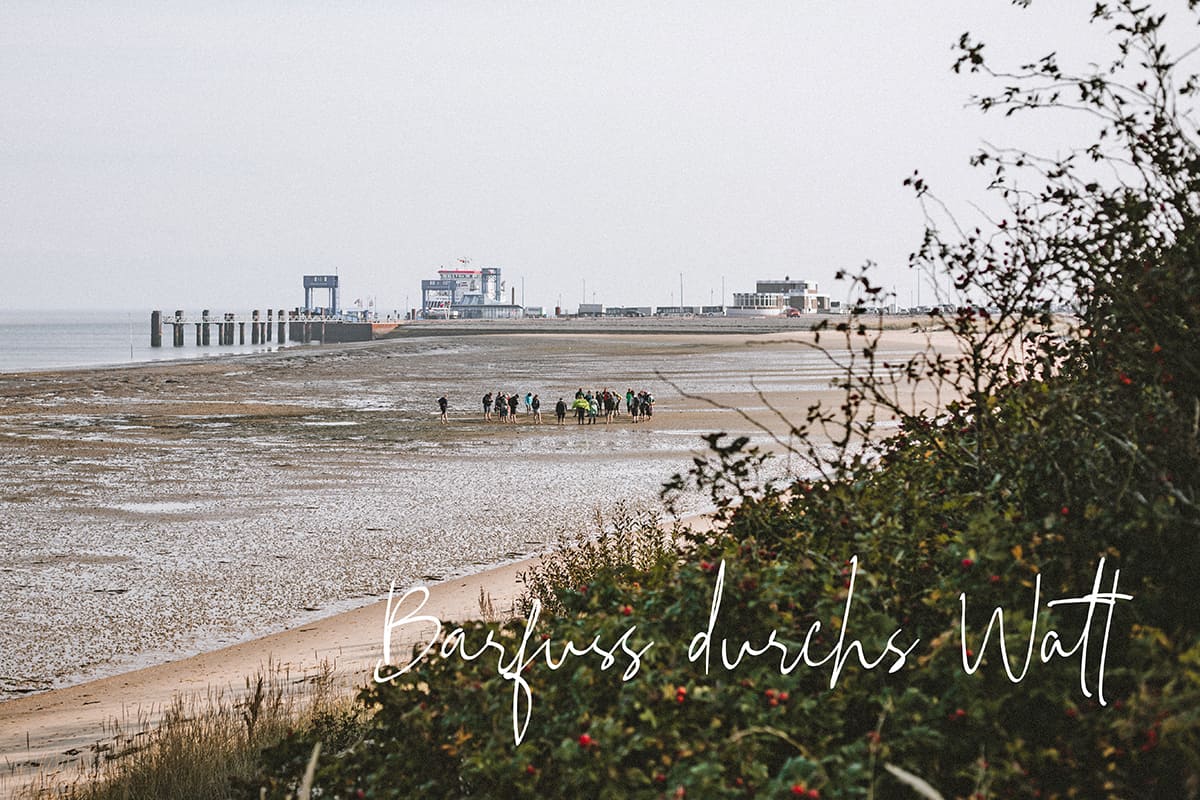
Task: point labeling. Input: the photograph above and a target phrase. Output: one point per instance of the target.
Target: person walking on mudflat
(487, 407)
(501, 407)
(560, 411)
(443, 404)
(513, 400)
(535, 404)
(611, 404)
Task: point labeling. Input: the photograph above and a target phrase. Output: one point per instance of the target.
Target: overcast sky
(190, 155)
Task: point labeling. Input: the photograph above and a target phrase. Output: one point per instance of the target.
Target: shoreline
(50, 734)
(421, 329)
(52, 731)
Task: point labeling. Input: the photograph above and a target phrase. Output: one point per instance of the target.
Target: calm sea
(36, 340)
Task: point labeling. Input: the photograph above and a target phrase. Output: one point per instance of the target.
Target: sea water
(40, 340)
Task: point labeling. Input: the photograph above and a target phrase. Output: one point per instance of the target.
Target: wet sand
(170, 510)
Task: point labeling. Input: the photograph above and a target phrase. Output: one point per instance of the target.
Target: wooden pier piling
(156, 326)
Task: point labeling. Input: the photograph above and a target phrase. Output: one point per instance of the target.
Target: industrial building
(773, 298)
(466, 293)
(629, 311)
(756, 304)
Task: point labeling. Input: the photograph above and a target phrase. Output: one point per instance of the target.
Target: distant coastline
(65, 341)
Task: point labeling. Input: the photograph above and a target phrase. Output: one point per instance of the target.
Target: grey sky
(177, 155)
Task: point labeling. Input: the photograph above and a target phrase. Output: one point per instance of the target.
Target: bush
(628, 539)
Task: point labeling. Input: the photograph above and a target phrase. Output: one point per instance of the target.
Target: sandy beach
(172, 528)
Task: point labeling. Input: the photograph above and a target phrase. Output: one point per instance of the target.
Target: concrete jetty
(296, 325)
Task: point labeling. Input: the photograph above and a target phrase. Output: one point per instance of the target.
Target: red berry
(967, 563)
(530, 769)
(799, 790)
(627, 610)
(994, 579)
(585, 740)
(813, 794)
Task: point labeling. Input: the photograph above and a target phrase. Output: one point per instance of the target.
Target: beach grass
(205, 746)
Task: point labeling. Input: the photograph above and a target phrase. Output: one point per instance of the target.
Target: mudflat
(174, 527)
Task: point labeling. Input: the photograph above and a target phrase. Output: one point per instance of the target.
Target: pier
(297, 325)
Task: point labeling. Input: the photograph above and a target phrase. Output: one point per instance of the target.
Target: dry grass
(201, 745)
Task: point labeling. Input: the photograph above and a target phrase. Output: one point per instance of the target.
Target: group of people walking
(590, 406)
(506, 407)
(587, 406)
